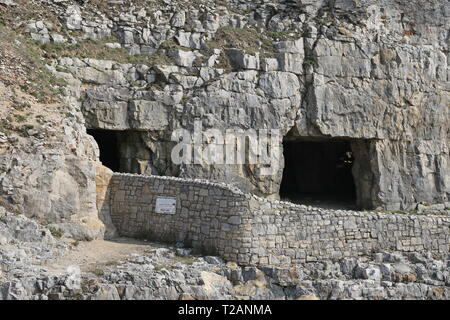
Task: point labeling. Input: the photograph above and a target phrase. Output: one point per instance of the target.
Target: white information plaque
(166, 205)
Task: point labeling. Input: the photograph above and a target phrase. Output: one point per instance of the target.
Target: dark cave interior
(108, 144)
(318, 172)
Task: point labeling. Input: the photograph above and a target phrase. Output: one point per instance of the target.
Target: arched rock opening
(319, 172)
(122, 151)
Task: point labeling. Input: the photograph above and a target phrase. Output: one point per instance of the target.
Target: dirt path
(92, 254)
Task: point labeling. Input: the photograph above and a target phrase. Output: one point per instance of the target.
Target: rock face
(373, 73)
(49, 182)
(103, 178)
(48, 172)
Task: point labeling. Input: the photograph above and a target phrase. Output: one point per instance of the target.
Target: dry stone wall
(283, 233)
(217, 219)
(205, 215)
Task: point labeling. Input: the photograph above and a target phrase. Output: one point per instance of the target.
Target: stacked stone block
(214, 218)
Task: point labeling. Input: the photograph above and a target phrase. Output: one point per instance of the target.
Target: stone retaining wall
(282, 233)
(217, 219)
(204, 218)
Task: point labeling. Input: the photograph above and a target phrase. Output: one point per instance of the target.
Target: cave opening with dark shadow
(319, 173)
(108, 144)
(123, 150)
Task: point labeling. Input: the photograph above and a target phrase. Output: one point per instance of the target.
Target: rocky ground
(36, 263)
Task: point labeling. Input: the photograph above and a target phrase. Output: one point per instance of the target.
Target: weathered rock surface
(48, 172)
(372, 72)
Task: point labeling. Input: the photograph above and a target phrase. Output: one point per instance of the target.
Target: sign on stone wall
(166, 205)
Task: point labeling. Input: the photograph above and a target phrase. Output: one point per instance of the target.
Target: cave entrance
(109, 147)
(318, 172)
(122, 151)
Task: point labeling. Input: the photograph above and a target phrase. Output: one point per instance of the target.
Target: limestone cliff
(372, 72)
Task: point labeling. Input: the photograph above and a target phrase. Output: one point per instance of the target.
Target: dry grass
(29, 93)
(247, 39)
(97, 49)
(28, 10)
(22, 64)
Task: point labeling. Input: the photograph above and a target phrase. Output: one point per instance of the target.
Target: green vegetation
(248, 39)
(5, 126)
(185, 260)
(21, 106)
(98, 272)
(55, 232)
(2, 20)
(25, 54)
(20, 118)
(97, 49)
(24, 129)
(40, 118)
(160, 267)
(83, 49)
(171, 44)
(309, 62)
